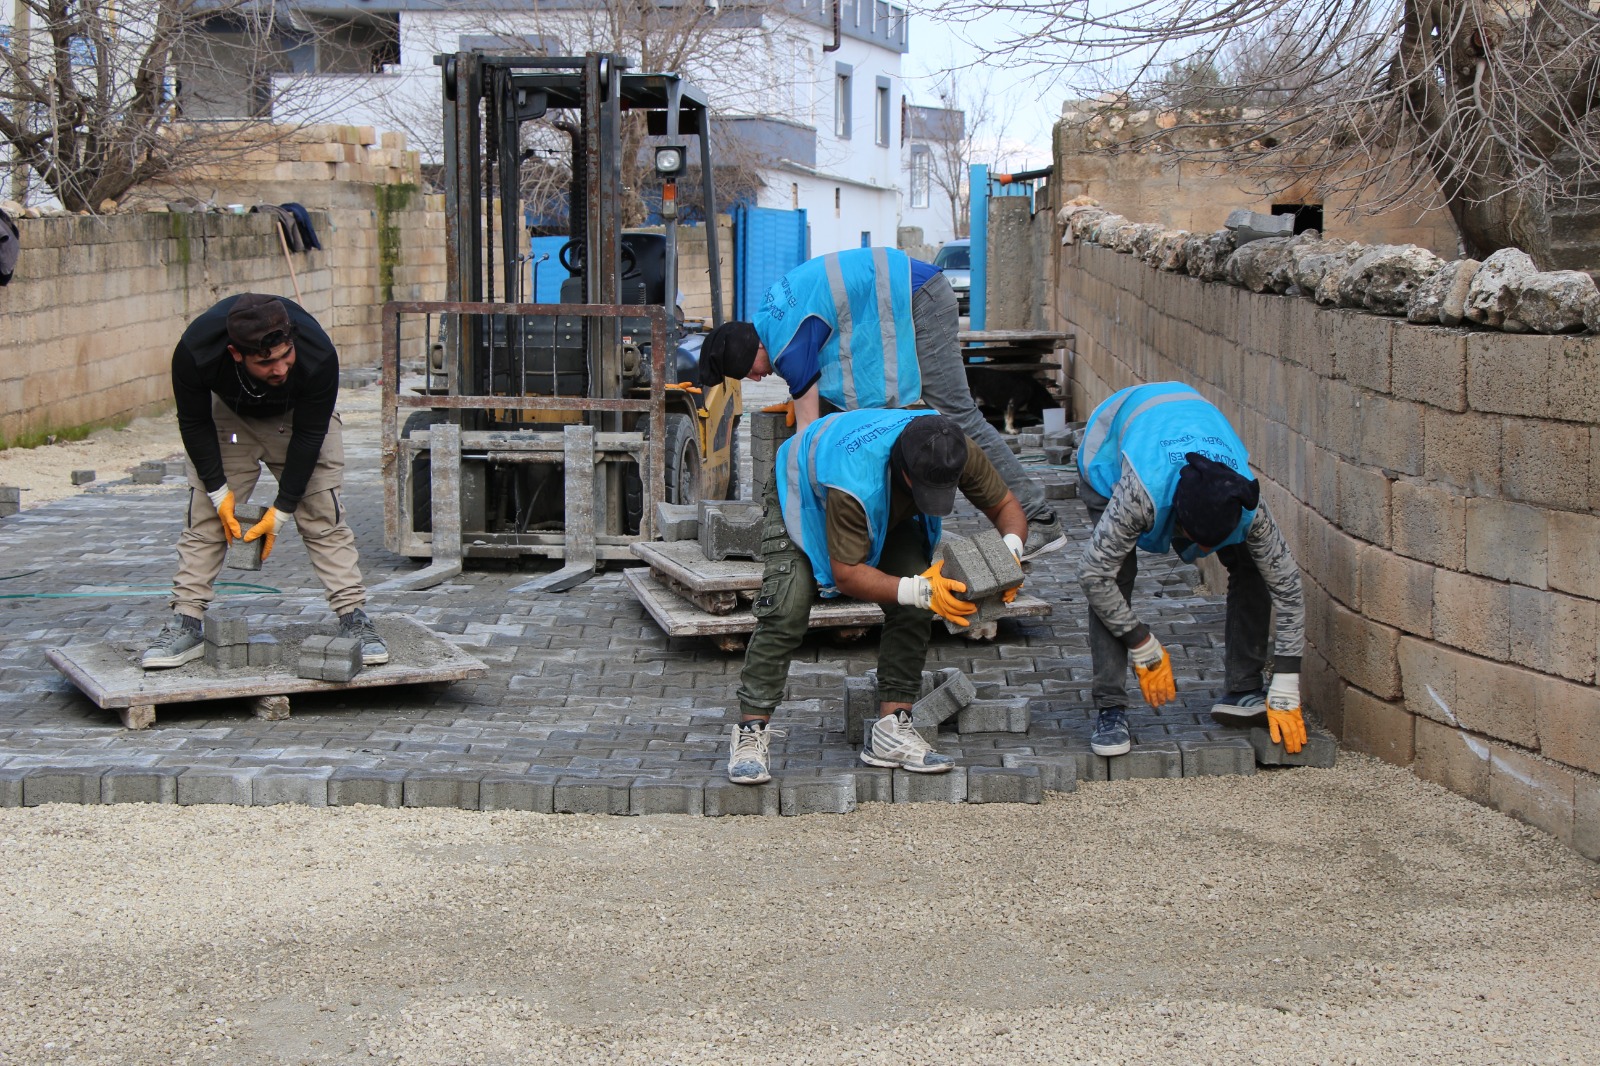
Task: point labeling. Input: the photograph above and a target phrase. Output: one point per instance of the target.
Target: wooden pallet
(110, 674)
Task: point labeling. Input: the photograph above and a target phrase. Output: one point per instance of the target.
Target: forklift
(553, 429)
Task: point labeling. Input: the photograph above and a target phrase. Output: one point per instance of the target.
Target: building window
(866, 238)
(880, 114)
(921, 178)
(836, 201)
(841, 102)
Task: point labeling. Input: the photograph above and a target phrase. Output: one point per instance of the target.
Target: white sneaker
(895, 744)
(747, 759)
(1044, 537)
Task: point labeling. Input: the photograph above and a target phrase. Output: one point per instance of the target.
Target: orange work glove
(222, 500)
(1153, 666)
(934, 592)
(1285, 723)
(266, 530)
(683, 386)
(787, 407)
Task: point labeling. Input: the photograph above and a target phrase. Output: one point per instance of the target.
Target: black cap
(933, 451)
(729, 351)
(258, 323)
(1210, 498)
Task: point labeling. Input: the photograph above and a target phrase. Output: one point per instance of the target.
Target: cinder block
(1461, 690)
(677, 521)
(948, 787)
(1553, 633)
(263, 650)
(652, 795)
(1010, 715)
(1000, 784)
(1397, 591)
(516, 792)
(829, 794)
(730, 529)
(224, 627)
(1217, 757)
(61, 785)
(1586, 817)
(1149, 758)
(82, 477)
(1057, 773)
(440, 788)
(1573, 564)
(305, 785)
(1364, 651)
(350, 785)
(1468, 612)
(724, 798)
(137, 784)
(1531, 790)
(954, 692)
(1379, 727)
(1364, 503)
(591, 795)
(1430, 365)
(242, 554)
(1430, 524)
(1449, 757)
(217, 784)
(1569, 723)
(1320, 750)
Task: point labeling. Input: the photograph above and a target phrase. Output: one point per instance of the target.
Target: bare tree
(1484, 106)
(964, 134)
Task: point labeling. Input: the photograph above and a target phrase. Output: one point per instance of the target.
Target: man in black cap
(1161, 469)
(256, 379)
(855, 509)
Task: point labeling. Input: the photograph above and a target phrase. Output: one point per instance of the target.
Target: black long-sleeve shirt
(203, 366)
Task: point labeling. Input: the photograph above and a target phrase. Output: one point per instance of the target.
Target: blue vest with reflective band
(1153, 427)
(864, 296)
(848, 451)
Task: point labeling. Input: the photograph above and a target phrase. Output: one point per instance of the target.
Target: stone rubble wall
(1439, 487)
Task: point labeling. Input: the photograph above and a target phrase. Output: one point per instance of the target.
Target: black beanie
(1210, 497)
(729, 351)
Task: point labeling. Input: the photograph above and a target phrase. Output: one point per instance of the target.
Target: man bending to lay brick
(855, 509)
(1163, 470)
(871, 327)
(256, 380)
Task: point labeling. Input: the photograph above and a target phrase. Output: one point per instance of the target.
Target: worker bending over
(871, 328)
(855, 509)
(1162, 470)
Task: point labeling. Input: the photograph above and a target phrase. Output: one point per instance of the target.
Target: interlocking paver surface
(582, 686)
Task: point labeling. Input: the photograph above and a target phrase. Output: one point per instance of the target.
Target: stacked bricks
(227, 639)
(264, 651)
(730, 529)
(986, 566)
(677, 521)
(768, 431)
(243, 554)
(1439, 489)
(330, 659)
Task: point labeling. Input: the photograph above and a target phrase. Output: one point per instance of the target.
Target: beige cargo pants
(246, 443)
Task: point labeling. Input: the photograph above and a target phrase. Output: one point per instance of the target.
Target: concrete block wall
(1441, 491)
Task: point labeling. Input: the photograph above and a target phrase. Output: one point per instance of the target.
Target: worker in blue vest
(871, 328)
(854, 510)
(1161, 469)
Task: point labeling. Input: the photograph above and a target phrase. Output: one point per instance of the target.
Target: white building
(824, 121)
(932, 143)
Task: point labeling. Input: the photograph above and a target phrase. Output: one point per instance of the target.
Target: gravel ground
(1342, 916)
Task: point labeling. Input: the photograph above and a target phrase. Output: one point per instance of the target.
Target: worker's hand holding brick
(266, 530)
(787, 410)
(1013, 542)
(932, 591)
(1285, 723)
(1153, 666)
(222, 500)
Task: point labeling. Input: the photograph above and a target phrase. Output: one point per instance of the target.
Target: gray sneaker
(749, 744)
(180, 641)
(894, 743)
(356, 625)
(1044, 536)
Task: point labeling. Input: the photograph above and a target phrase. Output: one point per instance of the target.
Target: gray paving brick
(307, 786)
(953, 692)
(1152, 758)
(517, 792)
(441, 788)
(949, 787)
(730, 529)
(1057, 773)
(1210, 758)
(217, 784)
(264, 650)
(82, 477)
(874, 784)
(829, 794)
(1321, 750)
(653, 796)
(129, 784)
(11, 778)
(723, 798)
(224, 627)
(227, 656)
(994, 716)
(994, 784)
(62, 785)
(592, 795)
(861, 707)
(350, 785)
(677, 521)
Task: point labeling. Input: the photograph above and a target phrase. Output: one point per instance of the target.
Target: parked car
(955, 259)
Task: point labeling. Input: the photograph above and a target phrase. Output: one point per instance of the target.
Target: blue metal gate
(768, 243)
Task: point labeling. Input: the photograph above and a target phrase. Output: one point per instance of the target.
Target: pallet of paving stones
(109, 674)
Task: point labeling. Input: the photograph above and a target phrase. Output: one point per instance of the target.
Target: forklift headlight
(671, 159)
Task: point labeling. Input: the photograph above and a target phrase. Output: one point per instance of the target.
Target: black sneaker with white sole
(1111, 736)
(356, 625)
(180, 641)
(1241, 708)
(1045, 535)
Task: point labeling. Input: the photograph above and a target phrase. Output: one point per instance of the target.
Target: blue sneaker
(1111, 735)
(1241, 708)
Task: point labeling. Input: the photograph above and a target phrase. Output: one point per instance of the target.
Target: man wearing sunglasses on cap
(256, 379)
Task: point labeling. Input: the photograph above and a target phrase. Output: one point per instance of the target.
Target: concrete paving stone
(129, 784)
(263, 650)
(1210, 758)
(994, 716)
(874, 784)
(1149, 758)
(677, 521)
(723, 798)
(730, 529)
(11, 779)
(217, 784)
(224, 627)
(828, 793)
(1057, 773)
(1320, 750)
(954, 692)
(307, 786)
(948, 787)
(227, 656)
(82, 477)
(663, 796)
(592, 795)
(1021, 784)
(517, 792)
(438, 788)
(60, 784)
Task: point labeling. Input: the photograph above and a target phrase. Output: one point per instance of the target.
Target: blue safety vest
(1153, 427)
(864, 296)
(848, 451)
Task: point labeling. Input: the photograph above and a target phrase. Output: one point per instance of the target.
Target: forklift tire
(683, 460)
(422, 470)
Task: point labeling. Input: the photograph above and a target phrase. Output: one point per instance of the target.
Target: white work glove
(216, 496)
(1146, 654)
(915, 592)
(1014, 542)
(1285, 724)
(1284, 692)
